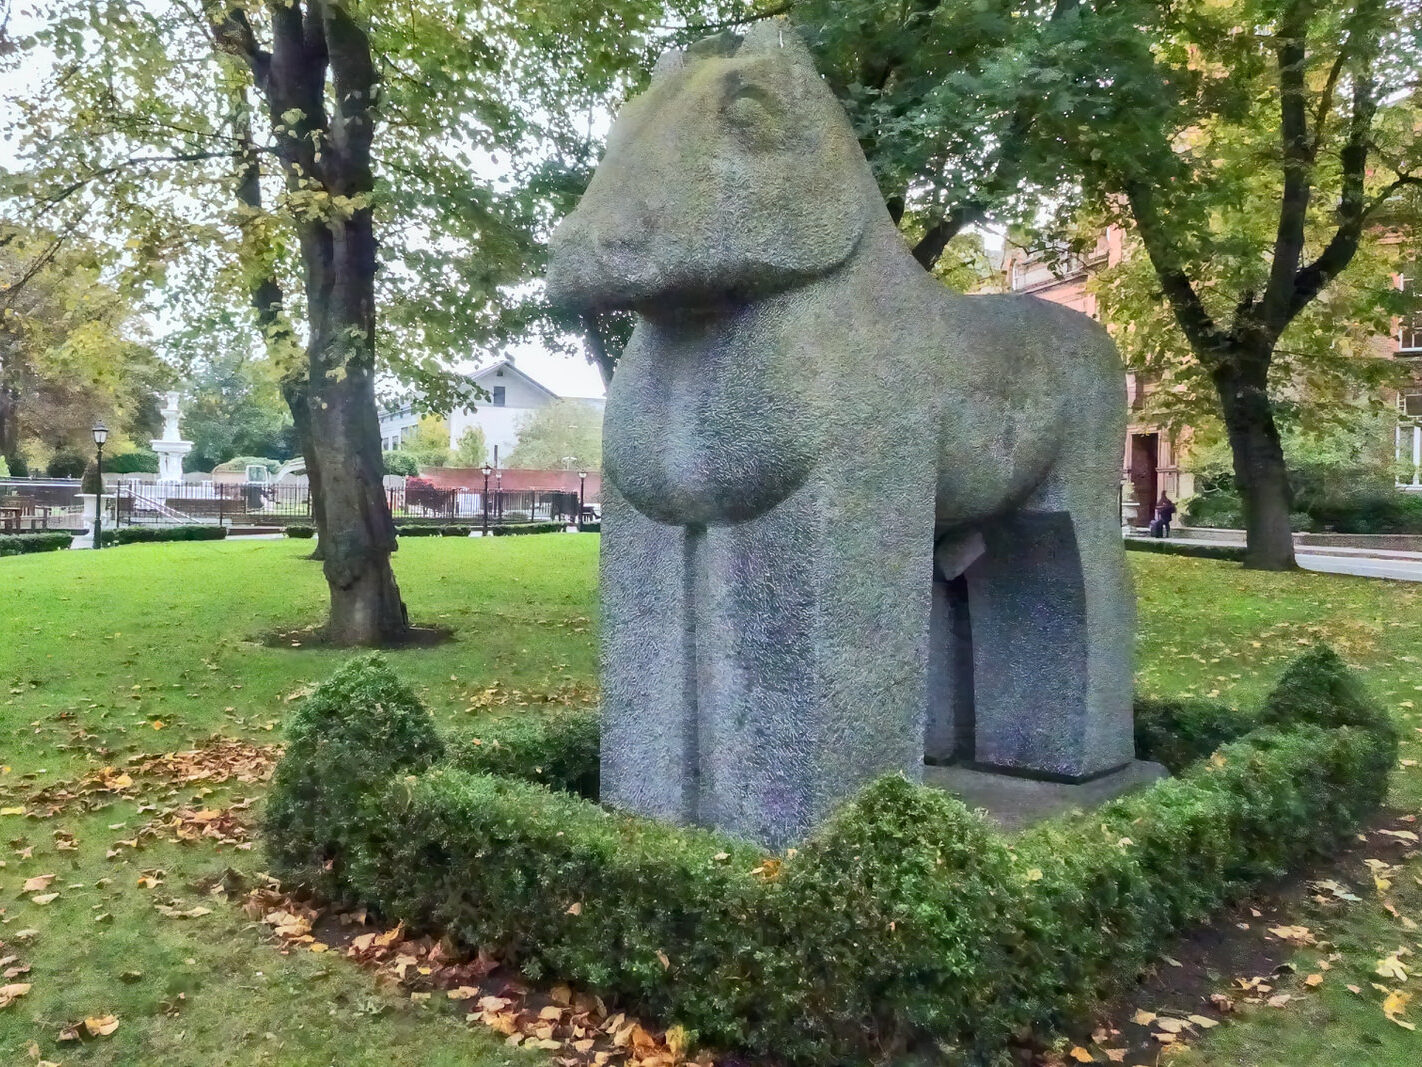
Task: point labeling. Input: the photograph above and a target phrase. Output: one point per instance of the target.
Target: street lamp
(488, 470)
(582, 494)
(101, 434)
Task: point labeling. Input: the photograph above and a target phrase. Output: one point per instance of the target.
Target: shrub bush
(456, 530)
(401, 463)
(239, 464)
(529, 528)
(1368, 510)
(92, 481)
(130, 535)
(559, 751)
(590, 527)
(67, 464)
(139, 461)
(346, 741)
(1165, 546)
(413, 530)
(905, 926)
(25, 543)
(305, 532)
(1177, 733)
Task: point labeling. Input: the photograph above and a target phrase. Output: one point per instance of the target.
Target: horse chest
(707, 427)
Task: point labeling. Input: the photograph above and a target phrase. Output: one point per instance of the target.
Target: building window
(1409, 440)
(1409, 328)
(498, 396)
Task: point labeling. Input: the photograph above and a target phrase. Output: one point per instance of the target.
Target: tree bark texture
(1260, 473)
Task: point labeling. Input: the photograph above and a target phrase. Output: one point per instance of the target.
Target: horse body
(853, 520)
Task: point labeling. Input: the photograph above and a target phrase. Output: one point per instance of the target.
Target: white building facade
(514, 397)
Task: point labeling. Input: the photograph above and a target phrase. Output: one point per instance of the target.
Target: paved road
(1402, 570)
(1363, 562)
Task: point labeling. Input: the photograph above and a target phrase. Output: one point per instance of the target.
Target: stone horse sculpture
(853, 520)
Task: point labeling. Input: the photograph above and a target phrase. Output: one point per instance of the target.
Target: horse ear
(669, 62)
(770, 36)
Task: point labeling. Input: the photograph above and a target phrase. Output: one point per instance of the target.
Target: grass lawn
(150, 648)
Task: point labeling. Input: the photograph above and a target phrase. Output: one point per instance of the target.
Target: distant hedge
(133, 535)
(295, 530)
(25, 543)
(529, 528)
(1165, 546)
(905, 927)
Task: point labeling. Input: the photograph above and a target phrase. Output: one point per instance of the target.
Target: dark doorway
(1145, 460)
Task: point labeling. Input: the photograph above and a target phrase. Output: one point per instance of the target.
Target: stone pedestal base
(1015, 803)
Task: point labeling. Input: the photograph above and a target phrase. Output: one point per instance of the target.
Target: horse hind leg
(1052, 619)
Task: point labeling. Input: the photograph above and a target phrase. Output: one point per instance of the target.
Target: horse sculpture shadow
(852, 520)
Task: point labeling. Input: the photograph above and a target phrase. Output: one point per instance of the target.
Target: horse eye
(749, 108)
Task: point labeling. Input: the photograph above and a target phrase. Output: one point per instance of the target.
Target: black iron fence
(55, 504)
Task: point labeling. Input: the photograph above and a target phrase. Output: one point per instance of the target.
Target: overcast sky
(564, 375)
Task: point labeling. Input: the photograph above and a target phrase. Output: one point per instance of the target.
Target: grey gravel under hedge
(905, 927)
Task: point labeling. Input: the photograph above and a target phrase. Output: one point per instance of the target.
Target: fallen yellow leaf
(101, 1025)
(1081, 1055)
(1391, 967)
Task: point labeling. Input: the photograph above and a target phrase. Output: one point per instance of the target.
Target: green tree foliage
(234, 408)
(1265, 152)
(402, 463)
(472, 450)
(72, 350)
(564, 435)
(429, 444)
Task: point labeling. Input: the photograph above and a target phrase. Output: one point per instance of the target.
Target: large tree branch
(356, 84)
(1341, 248)
(1003, 167)
(1199, 328)
(1354, 206)
(1291, 51)
(295, 92)
(232, 33)
(55, 199)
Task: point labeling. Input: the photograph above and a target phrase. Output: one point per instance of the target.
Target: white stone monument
(171, 448)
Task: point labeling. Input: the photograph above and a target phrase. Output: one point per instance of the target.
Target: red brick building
(1155, 460)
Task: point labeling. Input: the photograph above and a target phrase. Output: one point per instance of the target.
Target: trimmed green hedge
(529, 528)
(25, 543)
(1232, 553)
(559, 751)
(133, 535)
(300, 531)
(906, 926)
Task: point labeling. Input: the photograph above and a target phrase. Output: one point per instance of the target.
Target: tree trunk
(329, 154)
(1259, 470)
(366, 608)
(9, 415)
(297, 397)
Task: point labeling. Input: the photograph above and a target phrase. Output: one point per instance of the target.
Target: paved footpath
(1364, 562)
